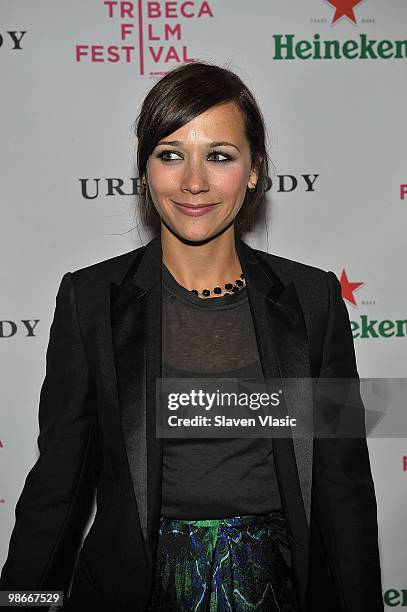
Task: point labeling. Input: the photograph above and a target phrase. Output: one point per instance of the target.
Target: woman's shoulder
(291, 269)
(313, 284)
(106, 271)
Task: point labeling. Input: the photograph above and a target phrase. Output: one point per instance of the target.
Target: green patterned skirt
(218, 565)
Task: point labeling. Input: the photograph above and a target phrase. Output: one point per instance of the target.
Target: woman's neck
(207, 265)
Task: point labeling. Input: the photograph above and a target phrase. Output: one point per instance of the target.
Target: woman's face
(198, 175)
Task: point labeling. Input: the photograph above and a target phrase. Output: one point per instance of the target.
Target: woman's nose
(195, 179)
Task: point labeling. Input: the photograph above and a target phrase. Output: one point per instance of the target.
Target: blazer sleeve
(57, 496)
(344, 492)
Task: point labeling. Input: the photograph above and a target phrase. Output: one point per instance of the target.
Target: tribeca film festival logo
(92, 188)
(366, 327)
(150, 33)
(289, 47)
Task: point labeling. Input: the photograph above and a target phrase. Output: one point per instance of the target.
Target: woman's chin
(194, 233)
(199, 237)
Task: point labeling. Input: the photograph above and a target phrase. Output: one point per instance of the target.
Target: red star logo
(348, 288)
(344, 8)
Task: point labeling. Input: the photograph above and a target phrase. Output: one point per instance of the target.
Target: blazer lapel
(136, 334)
(284, 353)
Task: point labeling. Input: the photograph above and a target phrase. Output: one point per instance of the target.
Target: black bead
(206, 292)
(217, 290)
(242, 275)
(194, 291)
(235, 289)
(228, 286)
(239, 283)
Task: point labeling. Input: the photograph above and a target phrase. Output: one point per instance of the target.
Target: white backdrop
(73, 76)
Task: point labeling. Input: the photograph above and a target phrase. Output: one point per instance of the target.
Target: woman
(194, 524)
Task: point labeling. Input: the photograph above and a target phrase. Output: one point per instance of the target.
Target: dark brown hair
(183, 93)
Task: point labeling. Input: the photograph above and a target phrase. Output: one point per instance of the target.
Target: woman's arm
(56, 500)
(343, 489)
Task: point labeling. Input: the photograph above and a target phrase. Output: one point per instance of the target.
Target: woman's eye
(227, 158)
(165, 156)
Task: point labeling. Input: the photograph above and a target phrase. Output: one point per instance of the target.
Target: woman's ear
(253, 178)
(254, 175)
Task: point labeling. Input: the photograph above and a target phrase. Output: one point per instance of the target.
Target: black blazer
(97, 431)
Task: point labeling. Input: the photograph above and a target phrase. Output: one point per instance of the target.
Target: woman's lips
(195, 210)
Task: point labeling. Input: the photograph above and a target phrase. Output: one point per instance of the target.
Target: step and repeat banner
(331, 80)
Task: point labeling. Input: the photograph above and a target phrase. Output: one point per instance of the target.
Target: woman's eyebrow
(219, 143)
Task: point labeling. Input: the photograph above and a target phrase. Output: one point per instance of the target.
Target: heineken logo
(289, 47)
(366, 327)
(372, 328)
(344, 8)
(348, 288)
(395, 597)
